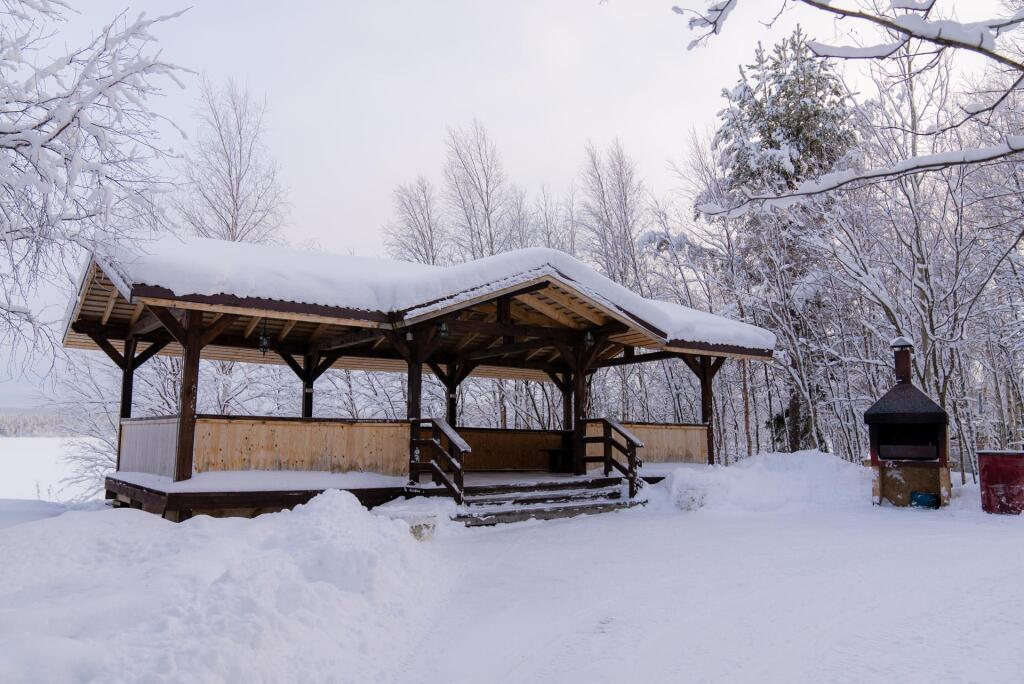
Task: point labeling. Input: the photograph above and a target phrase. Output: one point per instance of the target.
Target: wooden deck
(245, 465)
(177, 504)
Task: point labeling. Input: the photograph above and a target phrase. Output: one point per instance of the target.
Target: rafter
(288, 326)
(109, 307)
(253, 322)
(577, 307)
(550, 311)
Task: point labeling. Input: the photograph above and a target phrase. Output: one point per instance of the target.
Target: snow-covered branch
(841, 179)
(77, 138)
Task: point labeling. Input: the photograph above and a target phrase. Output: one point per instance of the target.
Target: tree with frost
(904, 24)
(788, 119)
(78, 135)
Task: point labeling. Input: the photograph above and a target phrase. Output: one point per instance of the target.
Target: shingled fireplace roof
(905, 403)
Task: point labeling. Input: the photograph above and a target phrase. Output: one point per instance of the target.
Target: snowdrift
(767, 482)
(325, 592)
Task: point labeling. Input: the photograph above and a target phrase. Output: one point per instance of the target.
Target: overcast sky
(361, 93)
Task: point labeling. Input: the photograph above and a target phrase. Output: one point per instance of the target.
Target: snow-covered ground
(777, 570)
(33, 468)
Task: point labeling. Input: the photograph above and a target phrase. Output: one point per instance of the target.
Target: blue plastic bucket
(924, 500)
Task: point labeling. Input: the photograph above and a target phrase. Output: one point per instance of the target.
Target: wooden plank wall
(269, 444)
(663, 442)
(495, 449)
(147, 445)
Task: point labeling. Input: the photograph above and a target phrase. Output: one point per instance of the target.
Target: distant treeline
(43, 424)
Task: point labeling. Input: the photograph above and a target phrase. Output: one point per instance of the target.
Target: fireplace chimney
(902, 349)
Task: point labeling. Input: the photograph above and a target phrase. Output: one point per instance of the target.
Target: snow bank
(768, 482)
(20, 511)
(327, 592)
(201, 266)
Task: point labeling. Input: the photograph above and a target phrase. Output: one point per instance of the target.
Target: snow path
(901, 595)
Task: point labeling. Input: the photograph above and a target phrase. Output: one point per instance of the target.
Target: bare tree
(417, 232)
(231, 190)
(614, 214)
(477, 193)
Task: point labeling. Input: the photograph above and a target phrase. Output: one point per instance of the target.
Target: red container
(1002, 481)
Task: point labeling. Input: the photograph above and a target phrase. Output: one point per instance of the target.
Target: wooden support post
(128, 376)
(452, 387)
(309, 366)
(415, 384)
(705, 368)
(707, 406)
(189, 388)
(579, 392)
(567, 422)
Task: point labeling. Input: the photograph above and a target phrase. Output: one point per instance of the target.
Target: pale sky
(361, 93)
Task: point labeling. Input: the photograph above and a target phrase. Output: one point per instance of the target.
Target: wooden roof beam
(253, 322)
(288, 326)
(550, 311)
(348, 339)
(109, 307)
(577, 307)
(494, 329)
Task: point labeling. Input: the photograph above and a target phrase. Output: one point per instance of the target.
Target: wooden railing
(611, 431)
(436, 448)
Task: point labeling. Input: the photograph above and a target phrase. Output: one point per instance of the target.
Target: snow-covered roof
(397, 290)
(901, 341)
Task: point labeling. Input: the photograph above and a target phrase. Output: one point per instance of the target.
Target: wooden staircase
(437, 450)
(494, 504)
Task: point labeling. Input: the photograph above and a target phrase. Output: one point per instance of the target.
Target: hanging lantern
(442, 330)
(588, 338)
(264, 340)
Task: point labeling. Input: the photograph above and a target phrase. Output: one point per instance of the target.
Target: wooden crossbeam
(349, 339)
(109, 349)
(504, 349)
(136, 314)
(325, 364)
(440, 373)
(495, 329)
(550, 311)
(627, 359)
(151, 351)
(576, 306)
(109, 308)
(317, 332)
(288, 359)
(253, 322)
(288, 325)
(172, 324)
(145, 325)
(222, 323)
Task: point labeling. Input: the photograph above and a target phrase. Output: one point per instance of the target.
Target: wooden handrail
(453, 437)
(452, 455)
(632, 443)
(629, 436)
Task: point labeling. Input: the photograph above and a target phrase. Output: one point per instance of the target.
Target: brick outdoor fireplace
(907, 433)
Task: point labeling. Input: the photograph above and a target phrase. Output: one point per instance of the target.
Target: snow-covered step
(511, 514)
(559, 484)
(551, 496)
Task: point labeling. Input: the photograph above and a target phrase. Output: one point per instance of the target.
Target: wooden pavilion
(531, 315)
